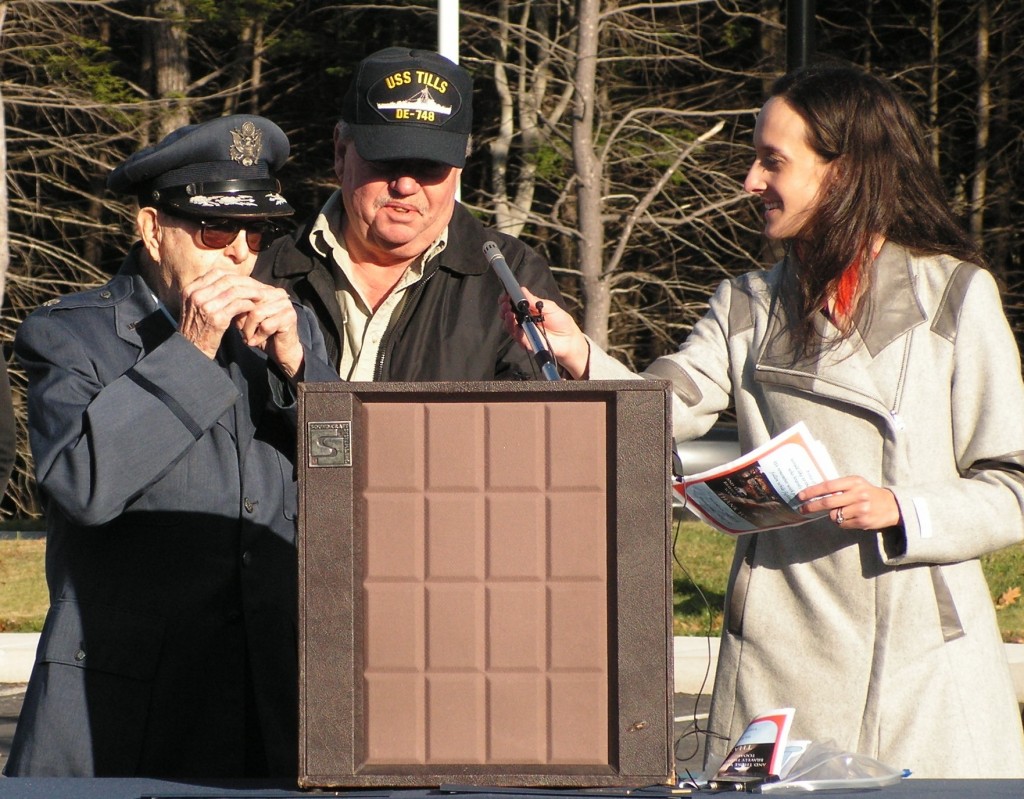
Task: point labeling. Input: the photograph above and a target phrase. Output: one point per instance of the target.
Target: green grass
(706, 555)
(699, 583)
(23, 597)
(1004, 571)
(700, 571)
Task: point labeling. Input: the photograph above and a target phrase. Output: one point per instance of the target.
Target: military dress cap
(406, 103)
(222, 168)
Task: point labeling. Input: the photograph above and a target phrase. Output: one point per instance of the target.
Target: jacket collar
(139, 317)
(464, 254)
(845, 370)
(891, 309)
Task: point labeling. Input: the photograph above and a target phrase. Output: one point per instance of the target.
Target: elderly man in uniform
(162, 422)
(393, 267)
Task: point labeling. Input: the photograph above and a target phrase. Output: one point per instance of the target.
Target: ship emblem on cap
(424, 101)
(246, 143)
(416, 96)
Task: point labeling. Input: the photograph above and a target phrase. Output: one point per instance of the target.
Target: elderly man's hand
(210, 303)
(272, 326)
(263, 314)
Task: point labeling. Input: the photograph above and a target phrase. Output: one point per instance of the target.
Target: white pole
(448, 40)
(448, 29)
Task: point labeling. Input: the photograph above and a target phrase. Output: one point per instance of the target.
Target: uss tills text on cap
(222, 168)
(406, 103)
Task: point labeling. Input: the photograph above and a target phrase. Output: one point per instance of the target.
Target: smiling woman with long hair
(882, 331)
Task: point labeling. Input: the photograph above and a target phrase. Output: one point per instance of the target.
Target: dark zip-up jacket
(448, 328)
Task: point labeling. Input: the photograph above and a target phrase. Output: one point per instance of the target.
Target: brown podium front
(485, 584)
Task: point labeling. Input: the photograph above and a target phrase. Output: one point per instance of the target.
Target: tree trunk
(256, 79)
(596, 294)
(984, 122)
(933, 84)
(5, 242)
(170, 63)
(521, 83)
(773, 44)
(1001, 228)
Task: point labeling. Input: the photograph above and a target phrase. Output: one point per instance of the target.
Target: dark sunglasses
(219, 233)
(216, 234)
(418, 169)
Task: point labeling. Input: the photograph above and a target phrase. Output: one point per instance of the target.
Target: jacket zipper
(897, 421)
(386, 340)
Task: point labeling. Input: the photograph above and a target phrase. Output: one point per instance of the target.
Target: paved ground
(691, 716)
(689, 747)
(10, 705)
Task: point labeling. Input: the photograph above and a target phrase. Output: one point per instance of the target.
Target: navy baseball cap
(406, 103)
(222, 168)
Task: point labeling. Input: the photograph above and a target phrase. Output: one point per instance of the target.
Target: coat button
(246, 558)
(105, 294)
(248, 504)
(80, 655)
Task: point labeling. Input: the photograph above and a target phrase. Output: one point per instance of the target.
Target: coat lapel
(858, 369)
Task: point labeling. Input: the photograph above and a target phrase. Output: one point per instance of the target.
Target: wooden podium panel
(485, 584)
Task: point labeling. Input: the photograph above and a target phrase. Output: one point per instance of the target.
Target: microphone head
(491, 250)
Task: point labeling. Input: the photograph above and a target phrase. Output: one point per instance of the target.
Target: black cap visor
(230, 199)
(399, 142)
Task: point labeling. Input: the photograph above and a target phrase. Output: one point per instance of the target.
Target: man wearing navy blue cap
(161, 411)
(393, 265)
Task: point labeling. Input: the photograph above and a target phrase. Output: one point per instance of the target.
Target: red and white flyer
(757, 491)
(759, 751)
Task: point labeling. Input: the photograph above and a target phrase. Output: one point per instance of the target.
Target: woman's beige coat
(885, 642)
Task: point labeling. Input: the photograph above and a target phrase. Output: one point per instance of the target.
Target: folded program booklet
(759, 754)
(757, 491)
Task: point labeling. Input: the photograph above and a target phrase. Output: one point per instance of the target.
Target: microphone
(521, 306)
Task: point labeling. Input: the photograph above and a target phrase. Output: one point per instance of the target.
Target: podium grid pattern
(485, 584)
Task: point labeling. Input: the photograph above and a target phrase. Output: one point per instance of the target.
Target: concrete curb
(17, 654)
(695, 659)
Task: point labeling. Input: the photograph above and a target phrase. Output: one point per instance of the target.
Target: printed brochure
(758, 754)
(757, 491)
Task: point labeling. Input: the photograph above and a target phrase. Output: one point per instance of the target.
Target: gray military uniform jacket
(885, 642)
(168, 484)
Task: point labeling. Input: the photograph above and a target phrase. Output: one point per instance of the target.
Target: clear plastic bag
(824, 766)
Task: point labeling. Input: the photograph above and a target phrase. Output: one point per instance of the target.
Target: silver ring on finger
(839, 516)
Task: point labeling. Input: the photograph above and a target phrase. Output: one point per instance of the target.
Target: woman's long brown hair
(882, 182)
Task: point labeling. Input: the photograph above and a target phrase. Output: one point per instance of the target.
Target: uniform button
(105, 294)
(234, 617)
(246, 558)
(80, 655)
(248, 504)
